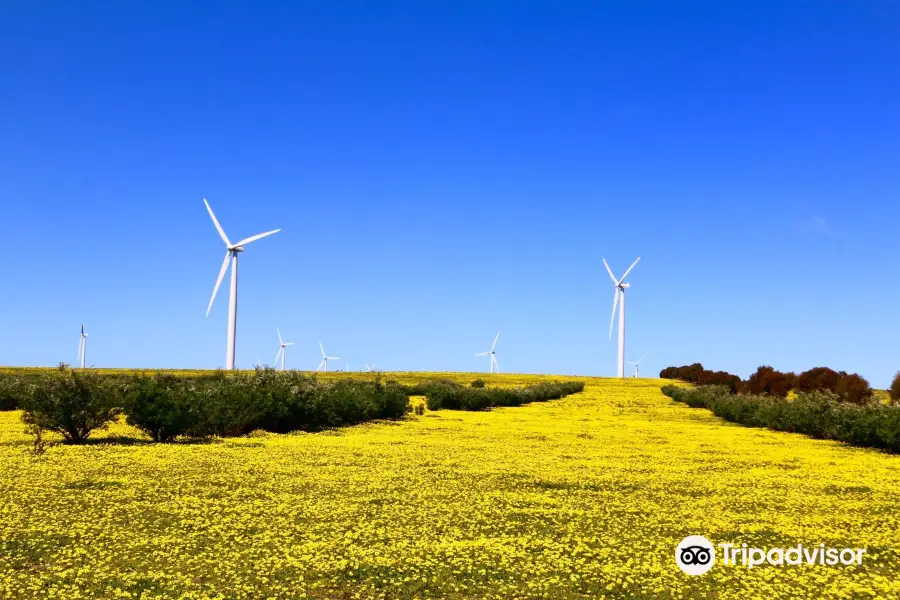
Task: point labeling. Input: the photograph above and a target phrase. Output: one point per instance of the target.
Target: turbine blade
(643, 357)
(495, 341)
(218, 281)
(288, 343)
(496, 364)
(246, 241)
(482, 354)
(275, 362)
(612, 319)
(319, 368)
(278, 331)
(334, 358)
(611, 276)
(216, 223)
(629, 269)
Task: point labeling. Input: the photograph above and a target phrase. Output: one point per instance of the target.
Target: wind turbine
(323, 366)
(637, 363)
(492, 354)
(231, 254)
(620, 287)
(372, 368)
(282, 352)
(82, 346)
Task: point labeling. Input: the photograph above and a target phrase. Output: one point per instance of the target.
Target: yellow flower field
(584, 497)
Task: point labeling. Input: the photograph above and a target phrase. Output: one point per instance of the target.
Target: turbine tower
(323, 366)
(492, 354)
(637, 363)
(619, 290)
(231, 254)
(82, 346)
(281, 351)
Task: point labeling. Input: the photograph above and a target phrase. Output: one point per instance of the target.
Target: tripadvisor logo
(696, 555)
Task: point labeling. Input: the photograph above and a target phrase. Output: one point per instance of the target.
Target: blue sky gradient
(444, 171)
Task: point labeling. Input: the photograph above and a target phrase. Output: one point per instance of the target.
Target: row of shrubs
(74, 403)
(848, 387)
(450, 395)
(820, 414)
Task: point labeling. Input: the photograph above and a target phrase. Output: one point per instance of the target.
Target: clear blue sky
(444, 171)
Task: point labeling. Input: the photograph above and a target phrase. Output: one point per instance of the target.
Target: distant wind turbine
(282, 351)
(637, 363)
(231, 254)
(492, 354)
(620, 287)
(372, 368)
(82, 346)
(323, 366)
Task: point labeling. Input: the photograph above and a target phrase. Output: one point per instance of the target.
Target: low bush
(72, 403)
(849, 387)
(165, 406)
(12, 391)
(478, 383)
(695, 373)
(767, 380)
(283, 402)
(820, 414)
(449, 395)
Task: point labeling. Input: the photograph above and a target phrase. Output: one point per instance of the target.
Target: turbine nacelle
(493, 354)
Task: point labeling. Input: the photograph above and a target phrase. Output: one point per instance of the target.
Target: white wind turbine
(372, 368)
(637, 363)
(282, 352)
(620, 287)
(492, 354)
(82, 346)
(231, 253)
(323, 366)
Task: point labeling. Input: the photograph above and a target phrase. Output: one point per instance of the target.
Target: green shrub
(165, 406)
(820, 414)
(478, 383)
(13, 389)
(449, 395)
(282, 402)
(72, 403)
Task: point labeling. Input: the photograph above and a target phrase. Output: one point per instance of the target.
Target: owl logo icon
(695, 555)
